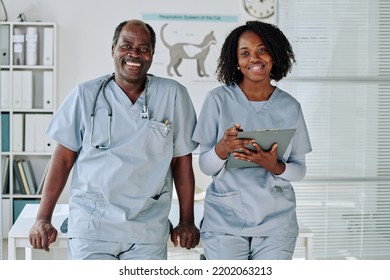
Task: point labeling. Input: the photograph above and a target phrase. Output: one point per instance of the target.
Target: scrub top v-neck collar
(133, 109)
(266, 105)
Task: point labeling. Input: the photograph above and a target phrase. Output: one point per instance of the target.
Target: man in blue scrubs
(127, 137)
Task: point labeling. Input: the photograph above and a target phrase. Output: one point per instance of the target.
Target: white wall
(85, 30)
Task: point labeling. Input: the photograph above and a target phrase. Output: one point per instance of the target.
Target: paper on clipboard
(265, 138)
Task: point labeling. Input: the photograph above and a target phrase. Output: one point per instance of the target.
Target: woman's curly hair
(278, 46)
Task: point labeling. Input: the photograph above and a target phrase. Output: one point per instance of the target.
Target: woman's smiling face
(254, 58)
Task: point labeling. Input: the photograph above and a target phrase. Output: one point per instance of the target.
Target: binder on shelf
(5, 88)
(18, 40)
(27, 89)
(48, 89)
(37, 90)
(40, 127)
(23, 176)
(43, 178)
(48, 143)
(5, 176)
(31, 45)
(29, 133)
(4, 44)
(35, 139)
(5, 132)
(17, 84)
(18, 205)
(48, 46)
(6, 216)
(17, 132)
(30, 177)
(18, 188)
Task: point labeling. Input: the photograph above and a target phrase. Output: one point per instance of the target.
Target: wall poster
(188, 47)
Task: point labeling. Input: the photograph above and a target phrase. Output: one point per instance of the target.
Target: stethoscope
(144, 111)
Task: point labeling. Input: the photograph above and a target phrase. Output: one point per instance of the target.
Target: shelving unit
(27, 103)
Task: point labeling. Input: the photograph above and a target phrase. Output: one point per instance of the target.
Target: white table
(18, 235)
(305, 239)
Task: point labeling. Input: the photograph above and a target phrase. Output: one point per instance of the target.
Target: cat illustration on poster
(180, 51)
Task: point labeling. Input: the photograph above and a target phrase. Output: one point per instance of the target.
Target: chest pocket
(159, 139)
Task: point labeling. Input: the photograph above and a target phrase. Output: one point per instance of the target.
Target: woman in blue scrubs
(250, 213)
(126, 137)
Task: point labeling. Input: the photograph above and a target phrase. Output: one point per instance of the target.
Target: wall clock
(260, 9)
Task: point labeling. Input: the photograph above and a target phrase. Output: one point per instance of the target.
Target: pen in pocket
(166, 125)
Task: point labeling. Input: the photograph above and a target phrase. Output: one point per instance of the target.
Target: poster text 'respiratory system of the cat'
(188, 46)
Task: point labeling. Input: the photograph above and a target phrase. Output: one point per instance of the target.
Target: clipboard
(265, 138)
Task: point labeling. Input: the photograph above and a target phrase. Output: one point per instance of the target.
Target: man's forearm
(183, 176)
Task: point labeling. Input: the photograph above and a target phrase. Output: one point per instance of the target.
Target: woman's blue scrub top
(250, 201)
(123, 193)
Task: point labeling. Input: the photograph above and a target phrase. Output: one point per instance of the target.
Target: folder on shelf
(35, 139)
(43, 178)
(5, 88)
(40, 127)
(39, 133)
(48, 143)
(48, 46)
(30, 177)
(19, 204)
(5, 132)
(27, 89)
(29, 133)
(17, 85)
(18, 40)
(48, 89)
(4, 45)
(5, 175)
(17, 132)
(6, 216)
(18, 184)
(23, 177)
(31, 45)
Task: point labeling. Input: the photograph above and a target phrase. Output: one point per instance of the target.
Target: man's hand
(42, 234)
(186, 234)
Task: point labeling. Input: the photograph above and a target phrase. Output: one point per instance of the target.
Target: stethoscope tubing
(102, 88)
